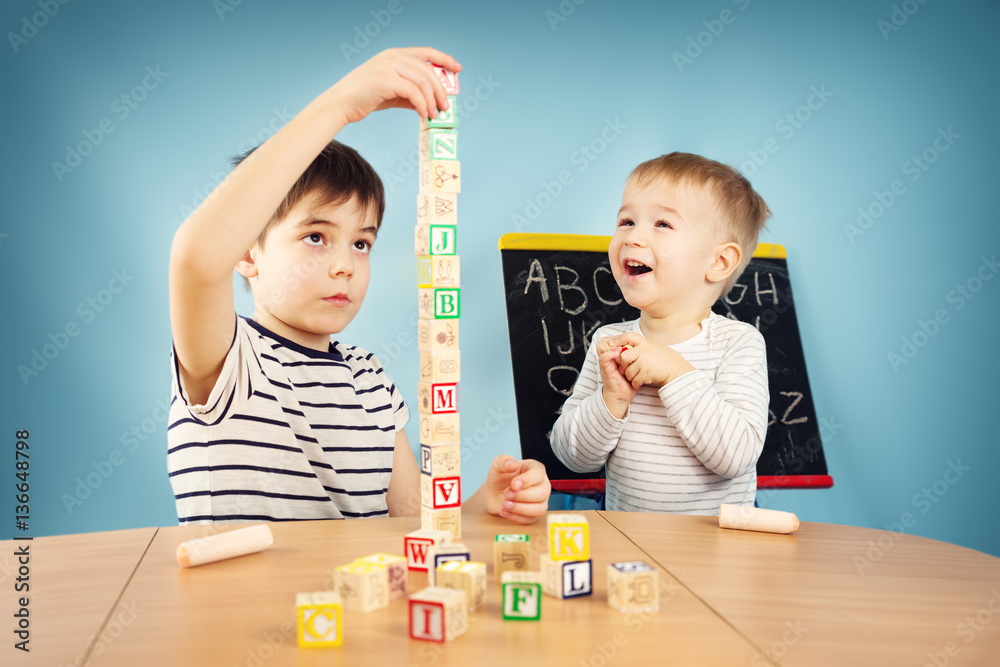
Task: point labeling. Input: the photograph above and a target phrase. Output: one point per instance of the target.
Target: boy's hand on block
(396, 78)
(224, 545)
(754, 518)
(517, 490)
(643, 361)
(617, 391)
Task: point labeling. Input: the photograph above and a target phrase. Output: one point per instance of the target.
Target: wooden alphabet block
(440, 554)
(320, 619)
(522, 596)
(439, 208)
(469, 576)
(437, 398)
(435, 239)
(511, 553)
(439, 429)
(633, 586)
(362, 586)
(440, 492)
(438, 614)
(449, 520)
(439, 303)
(569, 536)
(445, 118)
(438, 144)
(440, 367)
(448, 78)
(438, 271)
(441, 176)
(437, 335)
(396, 566)
(443, 460)
(566, 578)
(418, 543)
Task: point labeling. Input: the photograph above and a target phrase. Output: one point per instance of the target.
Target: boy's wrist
(616, 408)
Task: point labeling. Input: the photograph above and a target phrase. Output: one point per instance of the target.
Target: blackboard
(560, 290)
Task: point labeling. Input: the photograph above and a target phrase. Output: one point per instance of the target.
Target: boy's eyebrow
(309, 222)
(661, 207)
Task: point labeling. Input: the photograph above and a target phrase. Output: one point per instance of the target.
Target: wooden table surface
(727, 598)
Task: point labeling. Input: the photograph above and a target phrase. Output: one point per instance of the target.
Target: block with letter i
(633, 586)
(363, 587)
(511, 552)
(417, 544)
(567, 578)
(438, 614)
(569, 536)
(320, 619)
(522, 596)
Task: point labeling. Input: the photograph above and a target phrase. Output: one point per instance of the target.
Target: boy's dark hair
(336, 175)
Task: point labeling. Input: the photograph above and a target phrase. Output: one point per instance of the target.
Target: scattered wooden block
(437, 398)
(444, 553)
(566, 578)
(441, 176)
(439, 429)
(569, 536)
(511, 552)
(449, 520)
(438, 614)
(522, 595)
(440, 460)
(469, 576)
(320, 619)
(417, 544)
(437, 335)
(396, 566)
(633, 586)
(437, 208)
(445, 118)
(362, 587)
(448, 78)
(438, 144)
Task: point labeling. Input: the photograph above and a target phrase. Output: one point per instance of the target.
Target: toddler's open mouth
(634, 268)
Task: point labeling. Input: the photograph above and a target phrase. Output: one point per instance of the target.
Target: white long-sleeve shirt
(686, 447)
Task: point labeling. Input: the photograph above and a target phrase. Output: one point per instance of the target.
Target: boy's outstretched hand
(396, 78)
(517, 490)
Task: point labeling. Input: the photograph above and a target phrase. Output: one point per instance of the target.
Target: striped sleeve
(586, 432)
(723, 420)
(220, 399)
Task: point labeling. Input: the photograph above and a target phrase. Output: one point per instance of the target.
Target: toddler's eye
(664, 224)
(625, 222)
(314, 239)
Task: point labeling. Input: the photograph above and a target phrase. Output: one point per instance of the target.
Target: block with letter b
(396, 567)
(566, 578)
(439, 429)
(440, 492)
(633, 586)
(320, 619)
(437, 398)
(362, 586)
(522, 596)
(438, 614)
(446, 117)
(441, 176)
(437, 208)
(437, 335)
(440, 303)
(418, 543)
(442, 460)
(569, 536)
(511, 552)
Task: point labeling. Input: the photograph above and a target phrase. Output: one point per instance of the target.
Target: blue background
(553, 87)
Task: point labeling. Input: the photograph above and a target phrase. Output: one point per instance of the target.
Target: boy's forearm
(216, 236)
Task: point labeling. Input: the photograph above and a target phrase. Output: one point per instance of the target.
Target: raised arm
(219, 233)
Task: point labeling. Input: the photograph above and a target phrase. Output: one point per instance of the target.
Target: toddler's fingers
(538, 493)
(523, 513)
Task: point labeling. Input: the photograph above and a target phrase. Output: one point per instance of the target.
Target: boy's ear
(726, 257)
(247, 267)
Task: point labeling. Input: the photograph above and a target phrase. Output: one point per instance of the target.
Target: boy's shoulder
(727, 332)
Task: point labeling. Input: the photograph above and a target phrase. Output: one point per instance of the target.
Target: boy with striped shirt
(675, 404)
(270, 419)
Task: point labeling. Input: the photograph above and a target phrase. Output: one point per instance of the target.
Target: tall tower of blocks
(439, 306)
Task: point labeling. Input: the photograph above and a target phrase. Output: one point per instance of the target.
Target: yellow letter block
(320, 619)
(569, 536)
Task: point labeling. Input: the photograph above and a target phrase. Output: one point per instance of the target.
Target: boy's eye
(313, 239)
(664, 223)
(625, 222)
(363, 246)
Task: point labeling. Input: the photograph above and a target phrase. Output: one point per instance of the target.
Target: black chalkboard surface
(559, 291)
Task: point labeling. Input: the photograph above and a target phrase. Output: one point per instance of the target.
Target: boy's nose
(342, 265)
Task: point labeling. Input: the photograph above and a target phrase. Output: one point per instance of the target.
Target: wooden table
(727, 598)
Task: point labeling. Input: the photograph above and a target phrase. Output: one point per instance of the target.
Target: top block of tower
(448, 78)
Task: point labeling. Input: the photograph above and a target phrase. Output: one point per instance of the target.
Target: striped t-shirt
(686, 447)
(287, 433)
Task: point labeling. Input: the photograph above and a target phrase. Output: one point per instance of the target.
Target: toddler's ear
(726, 257)
(247, 267)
